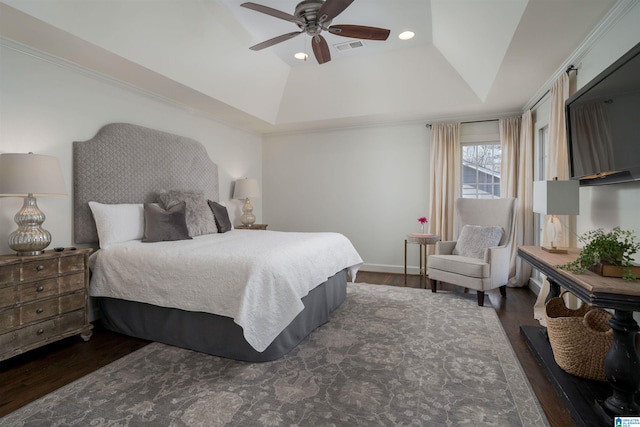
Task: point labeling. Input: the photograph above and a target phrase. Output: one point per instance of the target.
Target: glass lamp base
(30, 238)
(554, 228)
(247, 218)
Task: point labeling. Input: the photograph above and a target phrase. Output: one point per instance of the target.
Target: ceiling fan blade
(275, 40)
(270, 11)
(332, 8)
(320, 49)
(360, 32)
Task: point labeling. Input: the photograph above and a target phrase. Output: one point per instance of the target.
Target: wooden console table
(622, 364)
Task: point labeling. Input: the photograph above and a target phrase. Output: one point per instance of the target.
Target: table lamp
(556, 198)
(246, 189)
(30, 175)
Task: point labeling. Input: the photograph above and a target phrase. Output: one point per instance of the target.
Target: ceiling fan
(313, 17)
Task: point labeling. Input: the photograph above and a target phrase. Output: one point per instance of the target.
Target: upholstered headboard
(125, 163)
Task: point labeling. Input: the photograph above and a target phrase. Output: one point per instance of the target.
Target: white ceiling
(470, 59)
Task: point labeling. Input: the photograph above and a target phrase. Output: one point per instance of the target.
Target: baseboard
(535, 285)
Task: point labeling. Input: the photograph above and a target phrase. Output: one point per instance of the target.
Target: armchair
(480, 258)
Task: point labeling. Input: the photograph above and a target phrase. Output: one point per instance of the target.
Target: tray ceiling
(470, 59)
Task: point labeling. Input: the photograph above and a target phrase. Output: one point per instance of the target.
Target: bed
(242, 294)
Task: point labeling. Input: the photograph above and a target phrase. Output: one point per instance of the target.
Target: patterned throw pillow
(199, 217)
(474, 239)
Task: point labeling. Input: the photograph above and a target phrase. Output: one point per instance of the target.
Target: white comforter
(255, 277)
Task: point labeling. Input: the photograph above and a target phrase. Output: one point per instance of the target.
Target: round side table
(422, 240)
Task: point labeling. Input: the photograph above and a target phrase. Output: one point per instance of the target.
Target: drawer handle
(40, 288)
(40, 267)
(40, 331)
(39, 310)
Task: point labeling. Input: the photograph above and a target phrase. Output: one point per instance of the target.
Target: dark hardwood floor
(29, 376)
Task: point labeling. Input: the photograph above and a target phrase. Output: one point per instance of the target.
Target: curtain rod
(569, 69)
(541, 98)
(473, 121)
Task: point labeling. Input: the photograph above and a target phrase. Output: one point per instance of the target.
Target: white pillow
(474, 239)
(118, 223)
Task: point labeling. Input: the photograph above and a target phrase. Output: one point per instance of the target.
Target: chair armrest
(498, 258)
(445, 247)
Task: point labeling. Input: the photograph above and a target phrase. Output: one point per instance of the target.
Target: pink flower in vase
(422, 220)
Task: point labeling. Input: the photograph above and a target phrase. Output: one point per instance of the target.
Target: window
(481, 170)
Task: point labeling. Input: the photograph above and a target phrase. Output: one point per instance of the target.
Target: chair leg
(480, 298)
(434, 285)
(503, 290)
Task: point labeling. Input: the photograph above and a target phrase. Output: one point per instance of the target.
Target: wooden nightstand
(43, 298)
(253, 227)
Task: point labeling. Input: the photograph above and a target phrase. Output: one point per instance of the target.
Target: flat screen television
(603, 125)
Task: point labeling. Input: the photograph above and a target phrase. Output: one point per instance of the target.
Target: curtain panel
(558, 160)
(525, 228)
(516, 180)
(445, 178)
(557, 166)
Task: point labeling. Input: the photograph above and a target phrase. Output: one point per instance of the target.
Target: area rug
(389, 356)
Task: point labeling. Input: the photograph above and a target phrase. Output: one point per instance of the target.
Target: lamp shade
(22, 174)
(246, 188)
(556, 197)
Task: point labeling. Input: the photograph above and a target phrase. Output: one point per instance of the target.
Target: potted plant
(601, 250)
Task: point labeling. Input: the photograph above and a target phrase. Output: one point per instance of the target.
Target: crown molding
(613, 16)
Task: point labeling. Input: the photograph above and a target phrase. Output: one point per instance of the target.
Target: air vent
(341, 47)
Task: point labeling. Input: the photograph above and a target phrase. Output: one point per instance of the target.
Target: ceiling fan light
(406, 35)
(301, 56)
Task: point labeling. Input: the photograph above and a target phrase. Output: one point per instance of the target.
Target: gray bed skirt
(219, 335)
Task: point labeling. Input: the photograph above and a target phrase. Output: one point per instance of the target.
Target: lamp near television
(555, 198)
(603, 125)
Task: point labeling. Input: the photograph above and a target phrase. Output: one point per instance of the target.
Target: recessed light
(406, 35)
(301, 56)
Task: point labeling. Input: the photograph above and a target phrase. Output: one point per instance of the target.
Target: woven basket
(580, 339)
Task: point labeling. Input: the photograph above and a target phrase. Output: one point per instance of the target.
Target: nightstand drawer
(9, 274)
(39, 333)
(71, 282)
(29, 335)
(9, 318)
(37, 290)
(8, 296)
(50, 287)
(71, 321)
(39, 269)
(41, 310)
(72, 263)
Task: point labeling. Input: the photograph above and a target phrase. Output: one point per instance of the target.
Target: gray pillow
(474, 239)
(221, 215)
(162, 225)
(198, 215)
